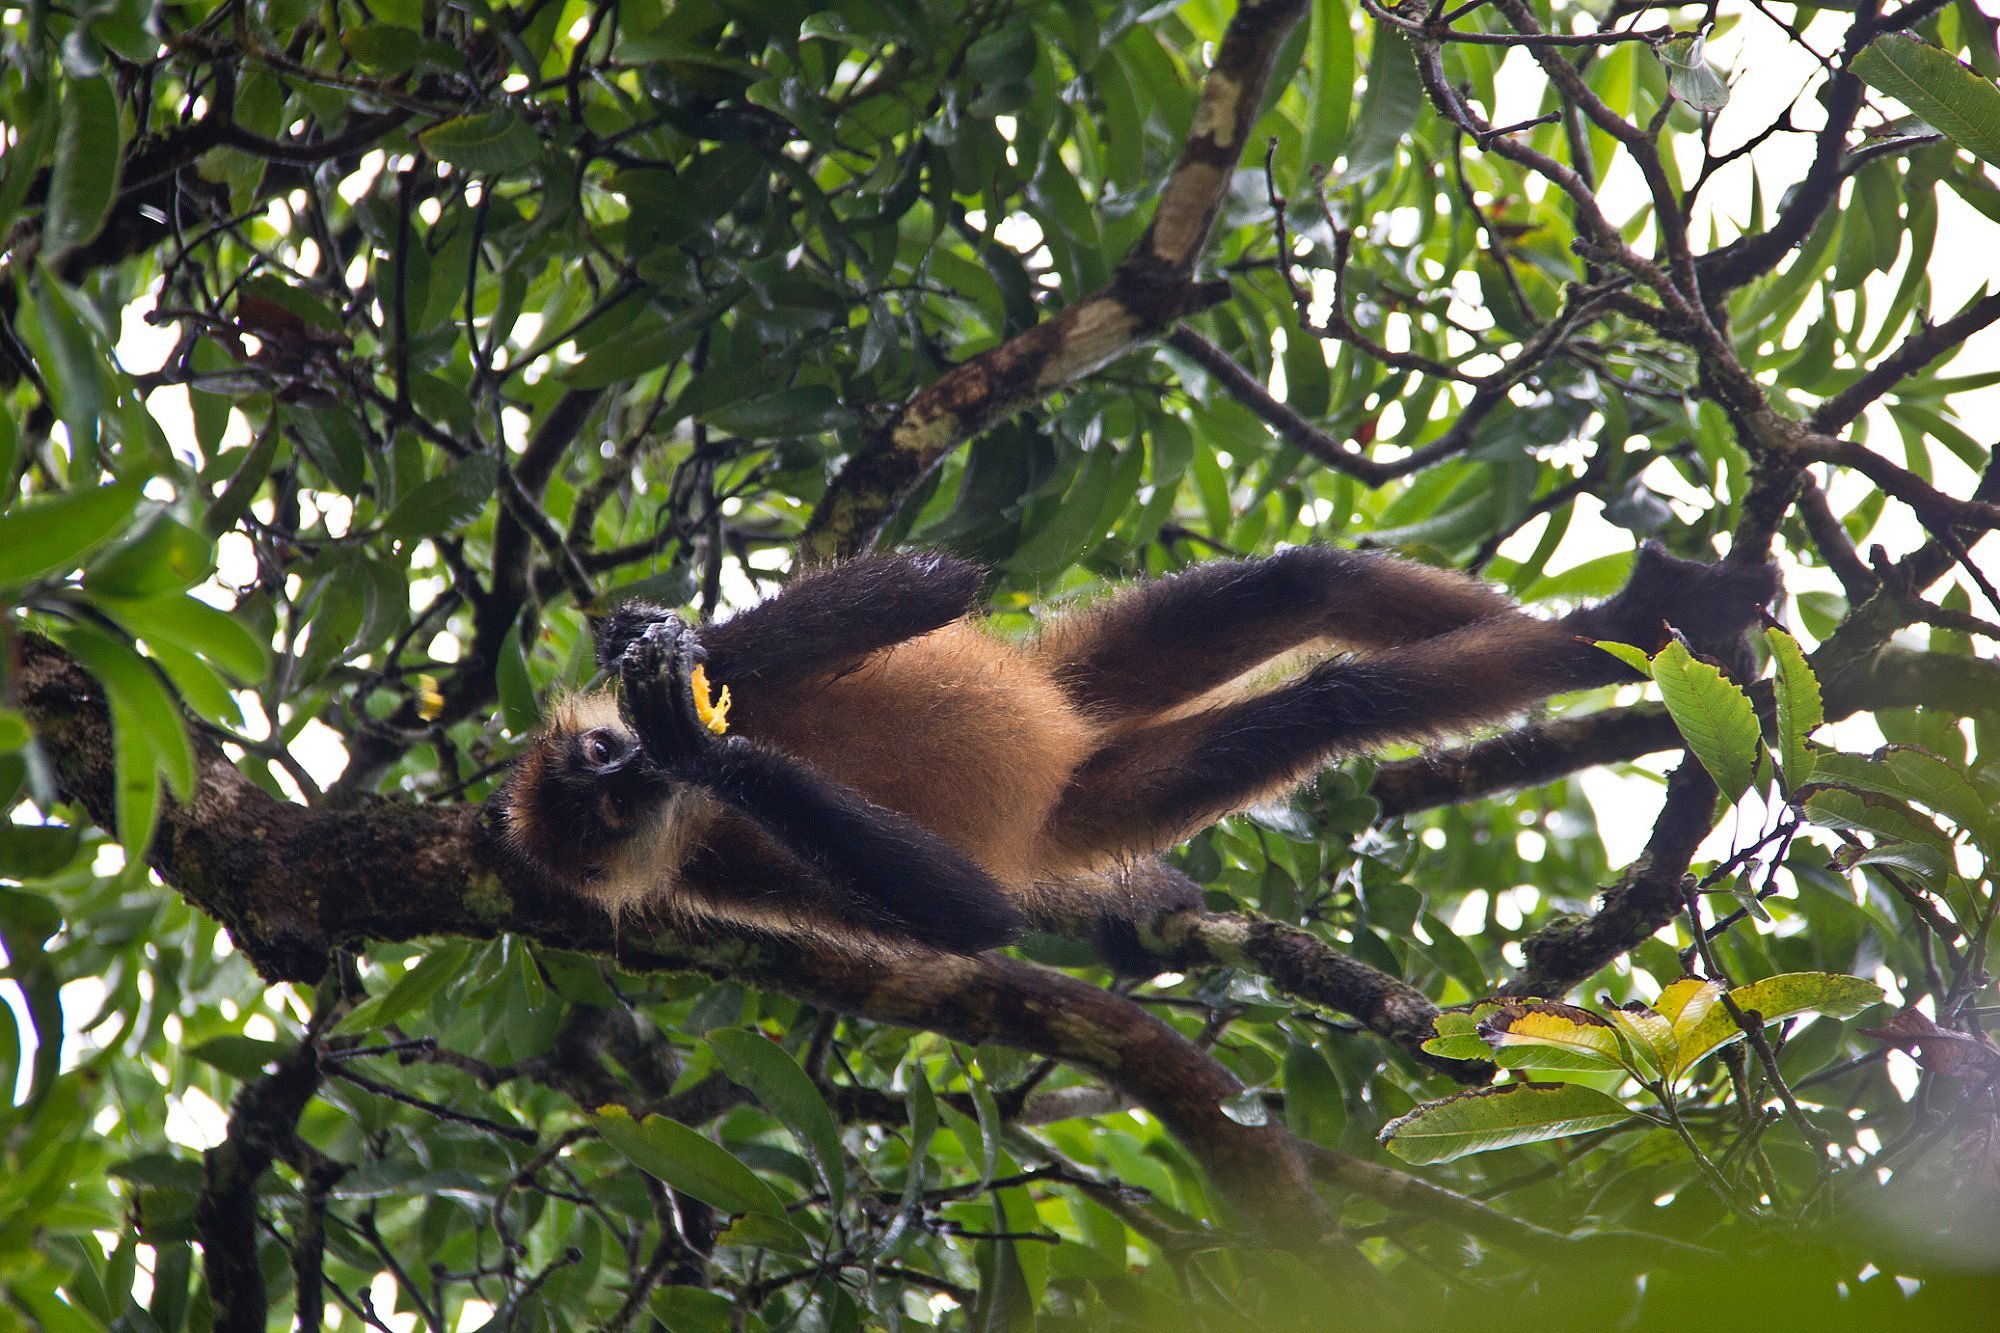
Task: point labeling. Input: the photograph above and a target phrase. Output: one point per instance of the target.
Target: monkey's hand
(623, 627)
(1711, 605)
(656, 669)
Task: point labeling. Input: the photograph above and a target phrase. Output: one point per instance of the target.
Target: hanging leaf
(1689, 75)
(83, 178)
(147, 738)
(1389, 109)
(1799, 708)
(1714, 716)
(775, 1079)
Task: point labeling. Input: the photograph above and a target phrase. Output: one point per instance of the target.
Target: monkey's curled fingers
(657, 674)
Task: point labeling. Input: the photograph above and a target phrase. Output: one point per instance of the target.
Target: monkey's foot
(1711, 605)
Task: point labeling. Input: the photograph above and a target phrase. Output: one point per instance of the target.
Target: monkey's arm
(884, 871)
(824, 622)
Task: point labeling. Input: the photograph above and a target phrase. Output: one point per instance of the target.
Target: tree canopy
(353, 353)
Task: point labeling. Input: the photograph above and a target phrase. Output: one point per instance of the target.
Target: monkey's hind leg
(1153, 786)
(1157, 645)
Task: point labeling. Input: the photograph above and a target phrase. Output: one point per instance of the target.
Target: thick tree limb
(291, 884)
(1305, 967)
(1646, 898)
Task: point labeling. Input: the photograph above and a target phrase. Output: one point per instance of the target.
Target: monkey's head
(580, 793)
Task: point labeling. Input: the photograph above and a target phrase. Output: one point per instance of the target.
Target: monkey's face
(578, 796)
(602, 785)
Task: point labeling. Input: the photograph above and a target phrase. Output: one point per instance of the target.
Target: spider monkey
(895, 773)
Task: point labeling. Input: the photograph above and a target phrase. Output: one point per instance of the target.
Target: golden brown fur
(1059, 764)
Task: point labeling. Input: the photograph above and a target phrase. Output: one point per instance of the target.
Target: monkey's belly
(954, 729)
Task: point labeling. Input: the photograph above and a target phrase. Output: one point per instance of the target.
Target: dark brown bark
(292, 884)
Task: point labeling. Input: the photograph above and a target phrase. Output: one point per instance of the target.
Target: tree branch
(292, 883)
(1151, 287)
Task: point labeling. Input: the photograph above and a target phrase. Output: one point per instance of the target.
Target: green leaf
(1503, 1117)
(921, 1103)
(1949, 96)
(43, 537)
(237, 1055)
(33, 113)
(161, 556)
(432, 973)
(651, 343)
(196, 626)
(775, 1079)
(1079, 520)
(515, 686)
(201, 689)
(1921, 860)
(1333, 81)
(493, 141)
(1631, 656)
(35, 851)
(235, 499)
(788, 413)
(1388, 111)
(1714, 716)
(676, 1155)
(1873, 812)
(762, 1231)
(1799, 708)
(83, 179)
(445, 502)
(148, 740)
(1776, 998)
(333, 441)
(1930, 781)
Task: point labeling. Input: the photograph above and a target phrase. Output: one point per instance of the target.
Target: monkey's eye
(598, 748)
